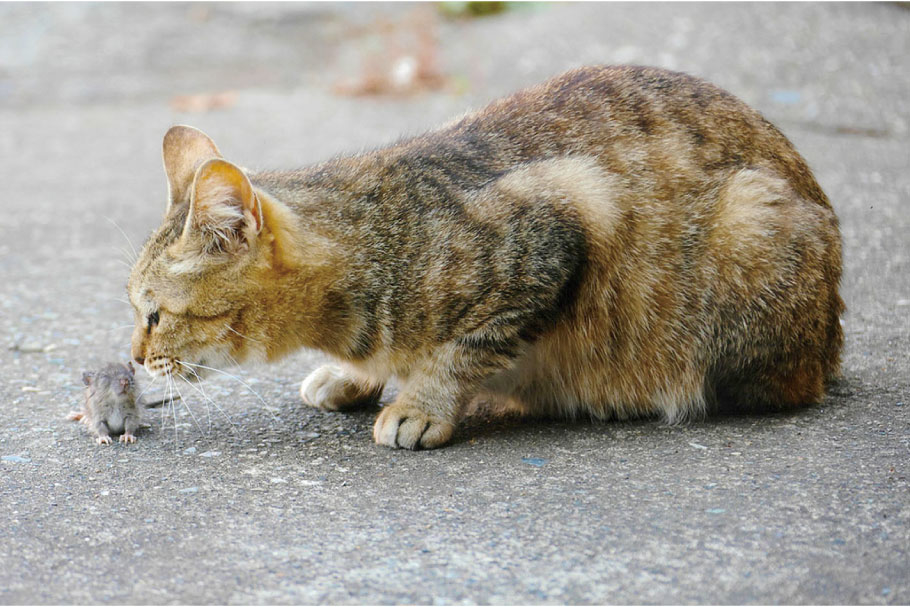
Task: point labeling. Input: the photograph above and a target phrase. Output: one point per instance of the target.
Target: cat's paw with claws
(403, 427)
(330, 388)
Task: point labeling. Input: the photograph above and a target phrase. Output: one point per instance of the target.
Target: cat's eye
(152, 321)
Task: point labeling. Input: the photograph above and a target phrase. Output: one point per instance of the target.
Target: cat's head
(194, 287)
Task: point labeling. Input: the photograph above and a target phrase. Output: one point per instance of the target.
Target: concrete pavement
(283, 504)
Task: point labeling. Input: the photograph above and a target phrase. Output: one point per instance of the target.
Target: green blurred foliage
(480, 9)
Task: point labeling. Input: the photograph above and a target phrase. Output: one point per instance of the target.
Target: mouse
(111, 406)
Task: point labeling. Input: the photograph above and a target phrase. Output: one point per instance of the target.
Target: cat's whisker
(129, 266)
(121, 327)
(146, 389)
(129, 258)
(260, 346)
(173, 408)
(205, 401)
(265, 405)
(208, 408)
(169, 400)
(236, 332)
(234, 377)
(128, 241)
(268, 408)
(186, 406)
(167, 396)
(208, 400)
(168, 405)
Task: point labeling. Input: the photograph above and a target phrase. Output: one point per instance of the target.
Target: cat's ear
(184, 150)
(224, 209)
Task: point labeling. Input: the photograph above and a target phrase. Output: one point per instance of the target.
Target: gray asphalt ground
(278, 503)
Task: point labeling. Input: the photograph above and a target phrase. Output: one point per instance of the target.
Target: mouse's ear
(87, 378)
(129, 366)
(124, 384)
(184, 150)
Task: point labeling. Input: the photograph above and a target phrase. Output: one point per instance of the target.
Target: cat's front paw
(330, 388)
(405, 427)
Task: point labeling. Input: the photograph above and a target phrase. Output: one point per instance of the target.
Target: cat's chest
(384, 364)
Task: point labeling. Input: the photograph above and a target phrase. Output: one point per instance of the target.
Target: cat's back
(666, 134)
(644, 122)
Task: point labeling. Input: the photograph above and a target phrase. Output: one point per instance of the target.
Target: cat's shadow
(510, 427)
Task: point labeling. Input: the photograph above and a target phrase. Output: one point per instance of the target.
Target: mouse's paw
(103, 440)
(126, 437)
(405, 427)
(75, 416)
(329, 387)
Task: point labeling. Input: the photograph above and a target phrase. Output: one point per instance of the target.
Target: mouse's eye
(152, 321)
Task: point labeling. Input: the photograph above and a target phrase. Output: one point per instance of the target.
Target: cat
(615, 242)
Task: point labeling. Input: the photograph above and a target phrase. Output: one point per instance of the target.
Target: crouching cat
(615, 242)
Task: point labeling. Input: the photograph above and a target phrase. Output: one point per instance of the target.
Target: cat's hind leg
(332, 388)
(778, 258)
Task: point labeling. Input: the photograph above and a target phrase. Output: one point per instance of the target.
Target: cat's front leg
(417, 422)
(332, 388)
(435, 394)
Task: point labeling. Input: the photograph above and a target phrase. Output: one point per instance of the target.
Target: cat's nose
(137, 350)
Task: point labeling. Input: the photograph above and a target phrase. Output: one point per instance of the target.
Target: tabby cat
(615, 242)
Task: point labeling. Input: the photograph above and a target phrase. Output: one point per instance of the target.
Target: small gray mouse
(110, 405)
